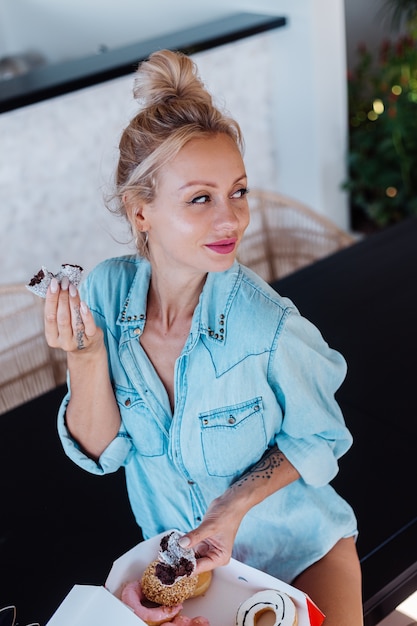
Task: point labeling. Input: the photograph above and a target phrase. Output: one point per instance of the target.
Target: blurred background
(288, 88)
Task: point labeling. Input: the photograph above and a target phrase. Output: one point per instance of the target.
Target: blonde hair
(175, 107)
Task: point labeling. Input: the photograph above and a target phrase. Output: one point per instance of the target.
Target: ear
(136, 212)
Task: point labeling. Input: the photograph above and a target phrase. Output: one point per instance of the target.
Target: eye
(240, 193)
(200, 199)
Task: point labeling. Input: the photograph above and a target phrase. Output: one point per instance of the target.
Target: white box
(88, 605)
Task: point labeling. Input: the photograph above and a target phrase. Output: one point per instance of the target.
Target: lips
(224, 246)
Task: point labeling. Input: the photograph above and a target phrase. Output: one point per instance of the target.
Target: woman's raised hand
(69, 324)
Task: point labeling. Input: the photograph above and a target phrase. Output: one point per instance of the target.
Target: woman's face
(200, 210)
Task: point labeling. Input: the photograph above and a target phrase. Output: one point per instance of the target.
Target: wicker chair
(28, 366)
(285, 235)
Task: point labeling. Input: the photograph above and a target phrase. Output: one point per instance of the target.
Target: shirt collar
(133, 312)
(215, 301)
(211, 314)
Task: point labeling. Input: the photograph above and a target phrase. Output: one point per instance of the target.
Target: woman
(190, 371)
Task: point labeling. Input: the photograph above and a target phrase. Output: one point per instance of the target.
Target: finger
(83, 322)
(201, 550)
(76, 318)
(88, 319)
(65, 329)
(50, 313)
(189, 540)
(209, 557)
(207, 528)
(82, 317)
(204, 564)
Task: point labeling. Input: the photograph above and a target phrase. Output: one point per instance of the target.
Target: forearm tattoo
(79, 330)
(264, 468)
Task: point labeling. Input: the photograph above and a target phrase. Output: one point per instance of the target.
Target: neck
(173, 298)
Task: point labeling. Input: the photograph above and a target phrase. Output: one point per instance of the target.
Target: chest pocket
(145, 431)
(233, 437)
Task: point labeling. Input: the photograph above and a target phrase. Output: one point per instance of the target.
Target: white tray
(230, 586)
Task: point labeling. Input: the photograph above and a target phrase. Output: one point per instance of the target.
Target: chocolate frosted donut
(170, 579)
(169, 593)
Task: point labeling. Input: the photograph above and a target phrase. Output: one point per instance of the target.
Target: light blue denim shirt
(253, 373)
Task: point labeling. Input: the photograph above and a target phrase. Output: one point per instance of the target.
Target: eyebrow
(206, 183)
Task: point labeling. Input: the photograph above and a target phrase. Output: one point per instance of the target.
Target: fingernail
(54, 285)
(184, 542)
(72, 290)
(64, 283)
(84, 308)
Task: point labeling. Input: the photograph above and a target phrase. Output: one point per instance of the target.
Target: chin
(222, 266)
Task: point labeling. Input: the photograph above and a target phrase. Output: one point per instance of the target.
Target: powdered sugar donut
(40, 282)
(151, 614)
(72, 272)
(267, 600)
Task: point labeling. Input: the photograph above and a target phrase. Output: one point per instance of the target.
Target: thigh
(335, 584)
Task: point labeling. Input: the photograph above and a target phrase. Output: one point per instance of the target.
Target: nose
(230, 215)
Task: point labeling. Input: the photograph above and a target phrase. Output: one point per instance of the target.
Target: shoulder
(253, 314)
(279, 321)
(261, 295)
(116, 266)
(122, 268)
(241, 317)
(111, 280)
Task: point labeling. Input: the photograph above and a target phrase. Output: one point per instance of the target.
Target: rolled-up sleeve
(306, 374)
(117, 453)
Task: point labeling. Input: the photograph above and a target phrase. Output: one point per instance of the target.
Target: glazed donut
(279, 603)
(203, 583)
(169, 580)
(150, 613)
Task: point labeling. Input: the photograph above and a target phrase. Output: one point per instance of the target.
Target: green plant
(383, 129)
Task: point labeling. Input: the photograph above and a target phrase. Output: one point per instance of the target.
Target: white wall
(311, 107)
(286, 88)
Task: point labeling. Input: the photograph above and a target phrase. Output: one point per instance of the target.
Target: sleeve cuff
(116, 454)
(303, 454)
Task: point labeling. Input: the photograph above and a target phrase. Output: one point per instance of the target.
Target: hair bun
(168, 75)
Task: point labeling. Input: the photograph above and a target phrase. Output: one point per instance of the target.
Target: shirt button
(231, 420)
(137, 331)
(191, 482)
(128, 402)
(198, 519)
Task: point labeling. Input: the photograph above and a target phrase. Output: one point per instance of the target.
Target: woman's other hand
(213, 540)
